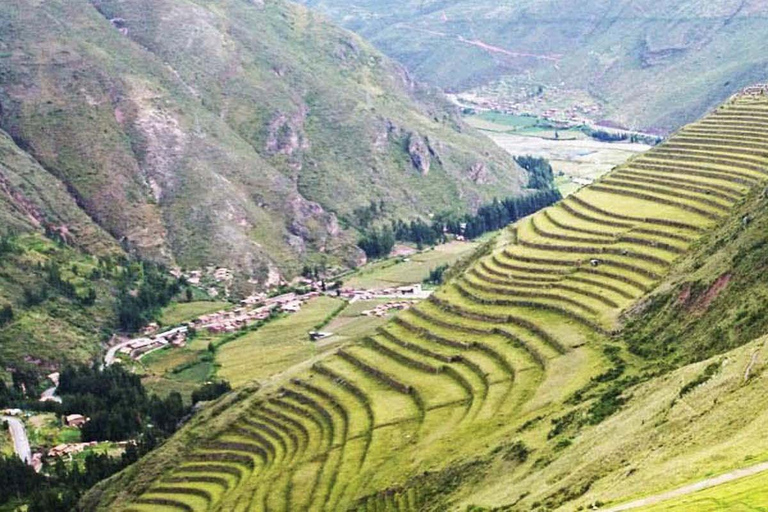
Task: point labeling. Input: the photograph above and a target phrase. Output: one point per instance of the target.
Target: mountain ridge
(238, 136)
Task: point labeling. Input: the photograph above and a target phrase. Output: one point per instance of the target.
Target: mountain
(240, 134)
(640, 64)
(606, 348)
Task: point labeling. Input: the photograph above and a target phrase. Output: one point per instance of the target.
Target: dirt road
(20, 441)
(692, 488)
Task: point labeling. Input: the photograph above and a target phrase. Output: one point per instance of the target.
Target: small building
(75, 420)
(317, 335)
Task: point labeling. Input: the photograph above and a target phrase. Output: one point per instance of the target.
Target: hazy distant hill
(649, 64)
(237, 133)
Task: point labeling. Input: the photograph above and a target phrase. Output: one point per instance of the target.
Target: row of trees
(143, 289)
(378, 242)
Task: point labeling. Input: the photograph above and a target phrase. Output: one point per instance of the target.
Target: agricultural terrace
(497, 347)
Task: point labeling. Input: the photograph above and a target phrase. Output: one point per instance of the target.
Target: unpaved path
(692, 488)
(20, 441)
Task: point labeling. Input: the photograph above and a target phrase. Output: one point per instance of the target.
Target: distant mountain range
(645, 64)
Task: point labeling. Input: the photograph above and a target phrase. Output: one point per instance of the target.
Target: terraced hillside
(489, 355)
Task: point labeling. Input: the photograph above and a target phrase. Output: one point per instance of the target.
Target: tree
(6, 315)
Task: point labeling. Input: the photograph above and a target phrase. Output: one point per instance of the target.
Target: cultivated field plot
(573, 153)
(275, 347)
(398, 272)
(498, 347)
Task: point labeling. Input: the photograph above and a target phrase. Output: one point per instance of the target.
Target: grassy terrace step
(177, 498)
(519, 296)
(584, 315)
(436, 326)
(735, 145)
(672, 161)
(732, 124)
(489, 267)
(429, 387)
(697, 130)
(480, 356)
(649, 251)
(658, 211)
(495, 285)
(349, 397)
(320, 430)
(471, 379)
(571, 220)
(594, 203)
(644, 272)
(285, 447)
(389, 404)
(746, 134)
(735, 161)
(576, 210)
(537, 343)
(737, 154)
(667, 198)
(585, 283)
(482, 367)
(694, 171)
(231, 474)
(722, 182)
(542, 226)
(294, 428)
(453, 302)
(683, 195)
(295, 437)
(241, 433)
(335, 422)
(702, 185)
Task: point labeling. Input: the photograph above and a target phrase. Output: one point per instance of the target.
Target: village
(258, 307)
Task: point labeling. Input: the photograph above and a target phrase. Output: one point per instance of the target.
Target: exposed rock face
(419, 151)
(286, 136)
(479, 173)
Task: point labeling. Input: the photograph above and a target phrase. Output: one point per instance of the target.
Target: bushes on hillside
(377, 243)
(540, 173)
(6, 315)
(144, 289)
(211, 391)
(436, 275)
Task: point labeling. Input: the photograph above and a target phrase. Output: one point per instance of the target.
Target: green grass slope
(649, 65)
(511, 388)
(36, 209)
(234, 133)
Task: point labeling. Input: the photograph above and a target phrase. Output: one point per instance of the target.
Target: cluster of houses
(244, 316)
(521, 102)
(383, 310)
(138, 347)
(413, 291)
(69, 449)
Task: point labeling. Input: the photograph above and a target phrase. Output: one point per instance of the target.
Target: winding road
(692, 488)
(20, 441)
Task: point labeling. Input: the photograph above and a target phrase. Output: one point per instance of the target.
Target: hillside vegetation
(643, 64)
(514, 386)
(236, 133)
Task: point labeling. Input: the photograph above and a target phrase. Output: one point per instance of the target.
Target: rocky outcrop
(286, 136)
(478, 173)
(419, 151)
